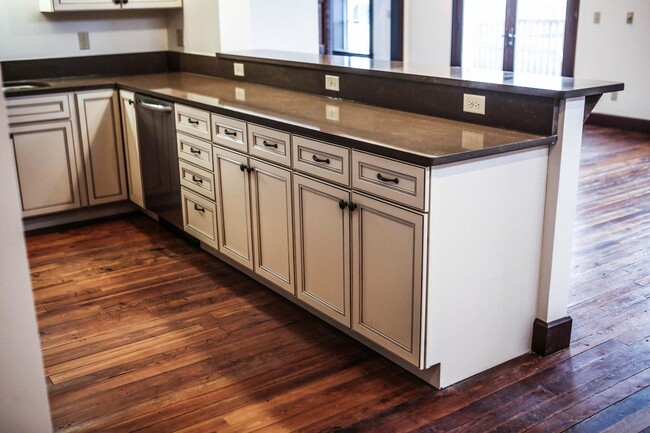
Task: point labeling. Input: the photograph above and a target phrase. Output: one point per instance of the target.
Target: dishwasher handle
(154, 107)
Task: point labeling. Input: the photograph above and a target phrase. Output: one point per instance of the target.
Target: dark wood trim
(457, 33)
(323, 28)
(551, 337)
(627, 123)
(397, 30)
(570, 37)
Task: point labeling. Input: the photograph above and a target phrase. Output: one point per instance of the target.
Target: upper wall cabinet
(86, 5)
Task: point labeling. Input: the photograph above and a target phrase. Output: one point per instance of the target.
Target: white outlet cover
(474, 104)
(239, 69)
(332, 83)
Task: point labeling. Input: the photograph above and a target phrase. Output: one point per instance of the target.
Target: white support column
(560, 210)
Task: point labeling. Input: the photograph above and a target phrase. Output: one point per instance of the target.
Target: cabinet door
(102, 145)
(130, 132)
(322, 247)
(272, 223)
(234, 210)
(152, 4)
(47, 171)
(387, 276)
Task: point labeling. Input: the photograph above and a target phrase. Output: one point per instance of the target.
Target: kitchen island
(442, 243)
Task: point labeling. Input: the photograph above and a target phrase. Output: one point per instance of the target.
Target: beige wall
(23, 401)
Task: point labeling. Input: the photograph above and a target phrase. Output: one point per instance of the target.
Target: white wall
(199, 21)
(23, 401)
(616, 51)
(26, 33)
(286, 25)
(427, 31)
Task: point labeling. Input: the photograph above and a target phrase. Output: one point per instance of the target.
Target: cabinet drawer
(198, 180)
(270, 144)
(390, 179)
(192, 121)
(38, 108)
(193, 150)
(322, 159)
(199, 217)
(229, 132)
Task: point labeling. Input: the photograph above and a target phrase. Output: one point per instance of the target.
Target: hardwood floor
(142, 331)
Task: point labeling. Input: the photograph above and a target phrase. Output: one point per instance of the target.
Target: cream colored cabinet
(87, 5)
(130, 133)
(387, 280)
(232, 184)
(272, 223)
(323, 247)
(101, 141)
(46, 166)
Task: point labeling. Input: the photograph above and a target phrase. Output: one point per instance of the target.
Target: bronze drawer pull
(317, 159)
(197, 179)
(192, 121)
(229, 132)
(198, 208)
(267, 144)
(385, 179)
(195, 151)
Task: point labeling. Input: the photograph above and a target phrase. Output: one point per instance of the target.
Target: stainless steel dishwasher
(159, 159)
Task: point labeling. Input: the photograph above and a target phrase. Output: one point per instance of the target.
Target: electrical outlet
(179, 38)
(239, 69)
(630, 18)
(474, 104)
(614, 96)
(596, 17)
(84, 40)
(240, 94)
(332, 112)
(332, 83)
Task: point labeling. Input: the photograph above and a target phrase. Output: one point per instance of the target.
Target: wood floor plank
(143, 331)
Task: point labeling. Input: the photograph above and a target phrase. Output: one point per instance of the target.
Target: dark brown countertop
(502, 81)
(414, 138)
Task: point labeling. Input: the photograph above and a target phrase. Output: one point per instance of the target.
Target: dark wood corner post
(551, 337)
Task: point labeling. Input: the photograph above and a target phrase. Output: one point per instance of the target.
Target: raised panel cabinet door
(387, 266)
(234, 210)
(47, 171)
(272, 224)
(78, 5)
(130, 132)
(323, 247)
(101, 139)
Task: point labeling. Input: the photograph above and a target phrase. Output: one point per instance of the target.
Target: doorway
(525, 36)
(362, 28)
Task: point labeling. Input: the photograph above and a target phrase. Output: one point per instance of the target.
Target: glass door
(514, 35)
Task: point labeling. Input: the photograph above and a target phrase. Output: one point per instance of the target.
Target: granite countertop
(418, 139)
(502, 81)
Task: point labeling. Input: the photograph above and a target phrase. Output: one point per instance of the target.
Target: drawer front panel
(192, 121)
(390, 179)
(198, 180)
(229, 132)
(270, 144)
(199, 217)
(38, 109)
(322, 159)
(196, 151)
